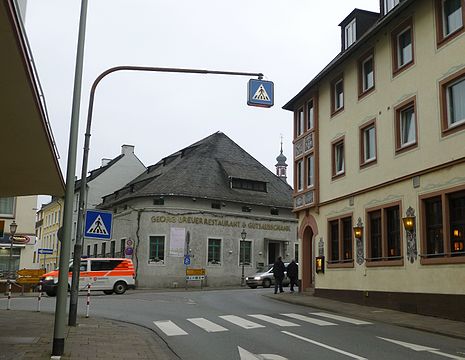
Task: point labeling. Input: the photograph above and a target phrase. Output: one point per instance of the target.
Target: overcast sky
(289, 41)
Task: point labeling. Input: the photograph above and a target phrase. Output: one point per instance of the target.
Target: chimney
(127, 149)
(105, 162)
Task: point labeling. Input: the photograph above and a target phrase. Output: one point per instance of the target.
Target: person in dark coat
(292, 273)
(278, 272)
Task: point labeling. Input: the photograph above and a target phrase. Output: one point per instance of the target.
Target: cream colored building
(21, 210)
(49, 220)
(379, 135)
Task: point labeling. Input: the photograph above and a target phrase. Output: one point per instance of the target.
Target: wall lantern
(358, 229)
(320, 264)
(409, 221)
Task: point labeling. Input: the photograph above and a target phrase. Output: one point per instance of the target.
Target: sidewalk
(413, 321)
(28, 335)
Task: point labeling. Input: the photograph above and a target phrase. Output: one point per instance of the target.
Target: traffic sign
(187, 260)
(260, 93)
(195, 277)
(45, 251)
(129, 251)
(31, 272)
(195, 272)
(98, 224)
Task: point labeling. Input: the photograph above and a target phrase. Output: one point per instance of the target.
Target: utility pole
(60, 308)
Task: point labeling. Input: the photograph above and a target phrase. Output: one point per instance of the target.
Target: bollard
(39, 297)
(88, 300)
(8, 305)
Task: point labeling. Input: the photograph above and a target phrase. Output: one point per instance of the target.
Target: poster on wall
(177, 239)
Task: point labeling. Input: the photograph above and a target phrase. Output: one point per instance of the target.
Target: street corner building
(195, 204)
(379, 161)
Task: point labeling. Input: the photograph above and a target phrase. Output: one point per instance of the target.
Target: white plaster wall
(173, 269)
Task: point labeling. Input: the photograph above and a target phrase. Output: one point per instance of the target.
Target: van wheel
(266, 283)
(108, 292)
(120, 288)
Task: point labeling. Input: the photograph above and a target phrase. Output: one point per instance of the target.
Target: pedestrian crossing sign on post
(98, 224)
(260, 93)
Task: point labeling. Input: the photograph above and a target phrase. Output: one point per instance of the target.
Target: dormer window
(350, 34)
(389, 5)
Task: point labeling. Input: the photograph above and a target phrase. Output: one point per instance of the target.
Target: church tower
(281, 166)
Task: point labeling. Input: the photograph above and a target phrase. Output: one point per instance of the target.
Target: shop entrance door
(273, 252)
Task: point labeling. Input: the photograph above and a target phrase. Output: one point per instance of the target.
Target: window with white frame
(455, 93)
(452, 99)
(310, 171)
(156, 249)
(338, 95)
(338, 158)
(389, 5)
(7, 206)
(299, 122)
(368, 143)
(310, 115)
(406, 125)
(300, 175)
(350, 33)
(368, 78)
(214, 252)
(452, 16)
(245, 253)
(404, 48)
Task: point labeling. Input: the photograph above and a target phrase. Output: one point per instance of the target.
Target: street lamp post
(73, 302)
(243, 236)
(13, 228)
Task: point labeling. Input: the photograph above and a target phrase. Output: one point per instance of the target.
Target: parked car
(110, 275)
(265, 278)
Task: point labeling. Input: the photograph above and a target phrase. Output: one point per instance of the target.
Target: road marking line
(447, 355)
(416, 347)
(243, 323)
(325, 346)
(169, 328)
(310, 320)
(207, 325)
(275, 321)
(342, 318)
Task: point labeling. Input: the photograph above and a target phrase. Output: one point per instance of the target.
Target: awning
(29, 158)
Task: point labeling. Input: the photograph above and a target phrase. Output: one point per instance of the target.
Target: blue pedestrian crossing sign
(187, 260)
(98, 224)
(260, 93)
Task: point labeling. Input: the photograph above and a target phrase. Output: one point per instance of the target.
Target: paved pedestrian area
(419, 322)
(28, 335)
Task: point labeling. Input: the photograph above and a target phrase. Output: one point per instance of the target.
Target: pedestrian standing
(292, 273)
(278, 271)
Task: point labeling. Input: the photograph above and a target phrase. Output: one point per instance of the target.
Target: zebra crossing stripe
(309, 319)
(207, 325)
(272, 320)
(243, 323)
(169, 328)
(341, 318)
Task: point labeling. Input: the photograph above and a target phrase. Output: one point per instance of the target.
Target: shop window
(443, 239)
(156, 250)
(384, 245)
(340, 242)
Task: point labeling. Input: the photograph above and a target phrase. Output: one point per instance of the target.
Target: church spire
(281, 166)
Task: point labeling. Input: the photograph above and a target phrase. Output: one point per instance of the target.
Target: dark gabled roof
(204, 170)
(357, 12)
(342, 56)
(96, 172)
